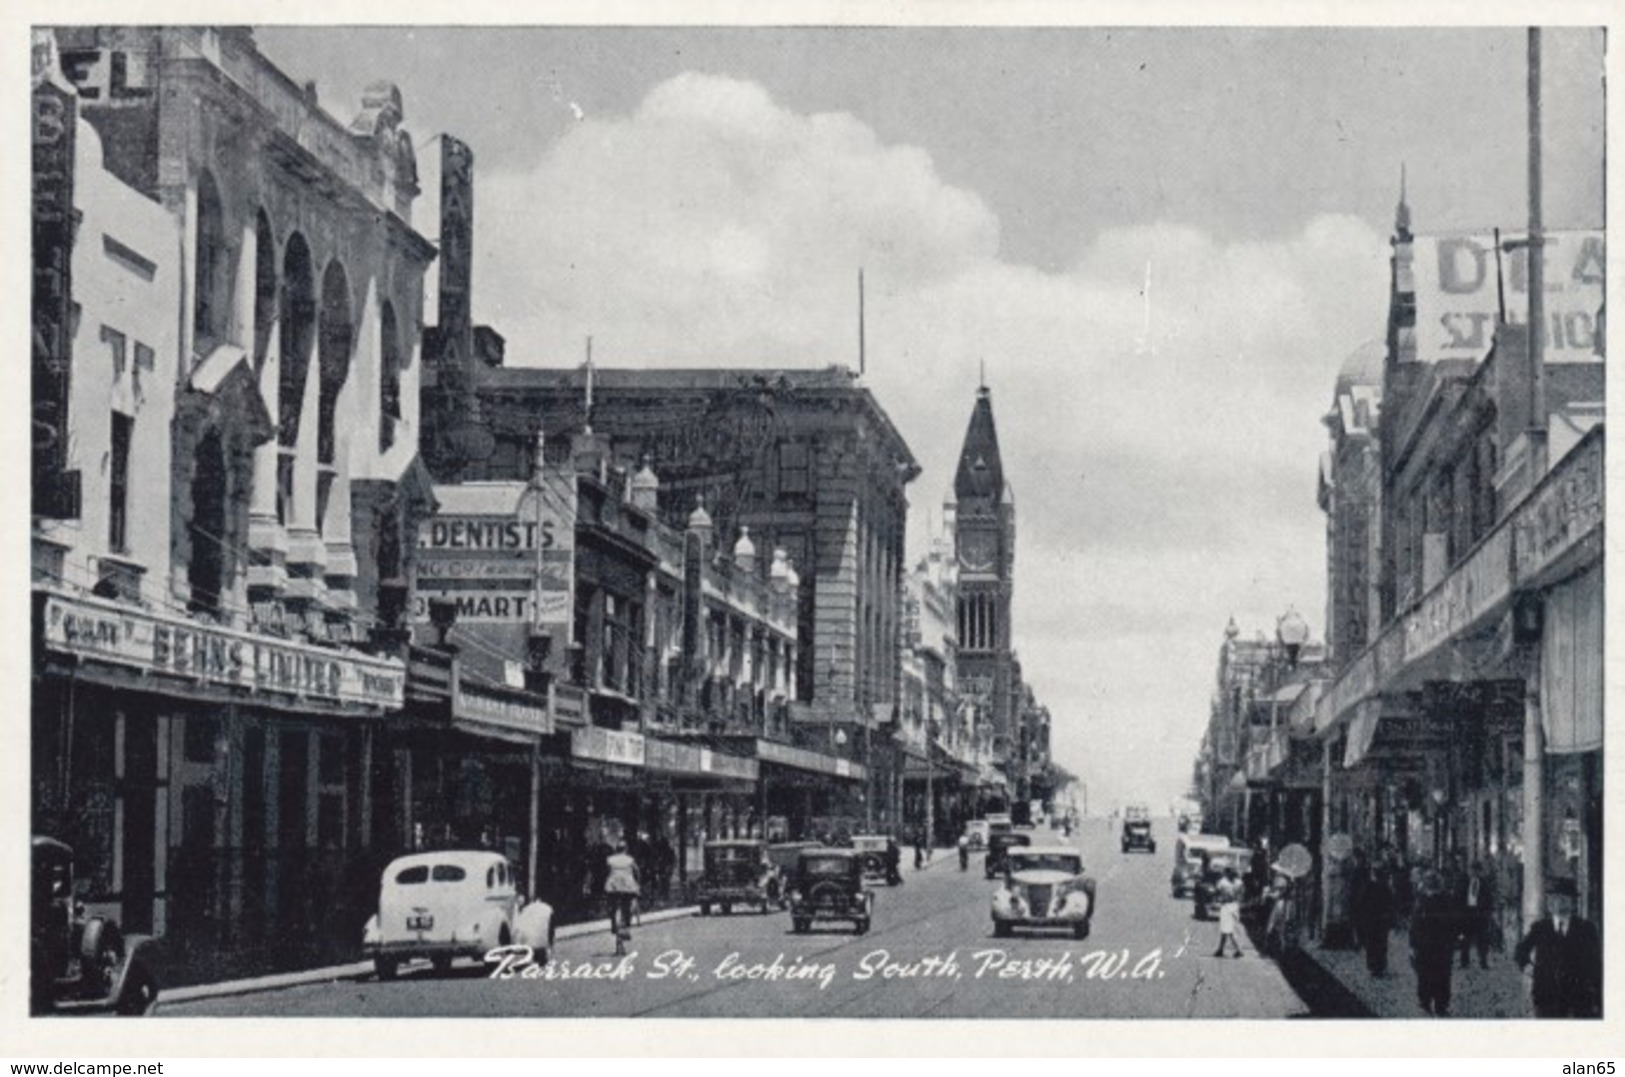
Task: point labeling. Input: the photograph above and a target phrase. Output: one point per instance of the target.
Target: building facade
(229, 519)
(1468, 727)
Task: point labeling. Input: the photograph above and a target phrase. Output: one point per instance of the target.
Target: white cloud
(1172, 477)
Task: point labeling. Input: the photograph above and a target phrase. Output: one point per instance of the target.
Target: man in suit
(1562, 956)
(1434, 926)
(1475, 900)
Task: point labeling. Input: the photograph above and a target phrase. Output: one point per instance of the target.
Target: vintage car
(998, 845)
(828, 884)
(1188, 850)
(1044, 887)
(79, 963)
(882, 858)
(449, 904)
(737, 872)
(1214, 863)
(976, 833)
(1137, 835)
(783, 856)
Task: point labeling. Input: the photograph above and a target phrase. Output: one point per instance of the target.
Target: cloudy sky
(705, 196)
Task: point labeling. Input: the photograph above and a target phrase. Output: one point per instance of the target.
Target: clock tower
(984, 534)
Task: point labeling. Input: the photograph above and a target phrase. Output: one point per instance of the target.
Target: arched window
(264, 288)
(206, 568)
(298, 319)
(334, 342)
(389, 382)
(211, 301)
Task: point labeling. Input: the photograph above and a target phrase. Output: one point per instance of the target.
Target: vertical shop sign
(52, 118)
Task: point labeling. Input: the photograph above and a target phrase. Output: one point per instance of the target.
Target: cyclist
(621, 887)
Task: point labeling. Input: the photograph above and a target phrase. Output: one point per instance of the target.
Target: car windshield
(831, 866)
(1046, 862)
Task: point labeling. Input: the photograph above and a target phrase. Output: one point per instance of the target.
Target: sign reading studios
(148, 643)
(1460, 279)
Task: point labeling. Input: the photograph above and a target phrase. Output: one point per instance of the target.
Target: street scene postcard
(922, 522)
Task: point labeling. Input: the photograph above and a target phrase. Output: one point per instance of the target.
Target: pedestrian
(621, 887)
(1561, 958)
(1228, 893)
(1359, 877)
(919, 848)
(1475, 905)
(1373, 919)
(1434, 926)
(665, 858)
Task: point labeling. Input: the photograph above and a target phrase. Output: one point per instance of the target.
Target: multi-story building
(1469, 726)
(223, 518)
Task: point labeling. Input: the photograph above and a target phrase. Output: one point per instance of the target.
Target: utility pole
(1534, 743)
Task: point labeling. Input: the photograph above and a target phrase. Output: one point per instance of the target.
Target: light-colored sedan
(1044, 887)
(450, 904)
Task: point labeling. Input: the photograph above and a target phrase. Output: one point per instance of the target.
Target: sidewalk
(361, 969)
(1495, 992)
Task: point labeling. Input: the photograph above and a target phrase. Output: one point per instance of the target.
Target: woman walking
(1229, 896)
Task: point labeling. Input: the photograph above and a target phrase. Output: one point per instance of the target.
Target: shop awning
(1362, 731)
(1571, 665)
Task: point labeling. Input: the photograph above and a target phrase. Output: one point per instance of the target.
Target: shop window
(330, 766)
(330, 820)
(200, 737)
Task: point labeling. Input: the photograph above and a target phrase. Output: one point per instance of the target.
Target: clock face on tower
(978, 551)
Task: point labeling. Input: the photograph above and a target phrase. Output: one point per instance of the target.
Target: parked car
(829, 885)
(976, 833)
(449, 904)
(1044, 887)
(998, 845)
(1214, 863)
(882, 858)
(1188, 850)
(737, 872)
(79, 963)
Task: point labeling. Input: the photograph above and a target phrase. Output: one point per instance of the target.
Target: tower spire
(1402, 212)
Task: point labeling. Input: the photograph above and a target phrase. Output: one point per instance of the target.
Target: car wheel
(1080, 930)
(1152, 848)
(140, 992)
(705, 908)
(861, 926)
(1200, 913)
(442, 964)
(727, 908)
(386, 967)
(1001, 929)
(800, 926)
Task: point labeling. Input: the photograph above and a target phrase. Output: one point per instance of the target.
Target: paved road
(930, 954)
